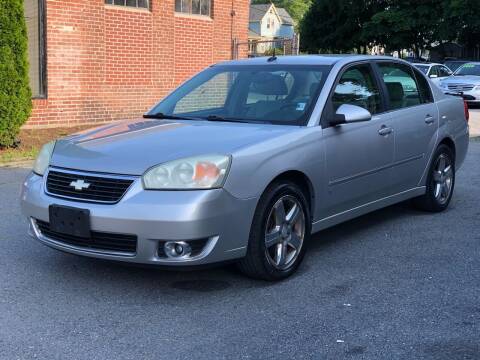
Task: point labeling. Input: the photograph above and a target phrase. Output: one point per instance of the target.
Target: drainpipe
(232, 26)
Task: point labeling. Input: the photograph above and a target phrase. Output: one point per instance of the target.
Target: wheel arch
(303, 181)
(451, 144)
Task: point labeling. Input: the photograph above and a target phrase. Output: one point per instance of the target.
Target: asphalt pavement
(394, 284)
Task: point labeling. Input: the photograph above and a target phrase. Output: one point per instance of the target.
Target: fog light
(177, 249)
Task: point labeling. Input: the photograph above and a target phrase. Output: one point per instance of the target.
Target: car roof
(428, 64)
(307, 60)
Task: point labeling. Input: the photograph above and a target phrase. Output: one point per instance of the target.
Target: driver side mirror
(347, 113)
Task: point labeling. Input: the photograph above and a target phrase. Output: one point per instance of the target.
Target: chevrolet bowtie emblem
(80, 185)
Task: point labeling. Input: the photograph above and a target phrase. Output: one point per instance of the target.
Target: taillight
(467, 113)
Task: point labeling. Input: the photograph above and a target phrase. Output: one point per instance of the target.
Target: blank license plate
(70, 221)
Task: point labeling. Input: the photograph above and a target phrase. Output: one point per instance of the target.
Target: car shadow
(110, 276)
(370, 221)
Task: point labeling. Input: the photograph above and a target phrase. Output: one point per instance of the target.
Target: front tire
(279, 234)
(440, 182)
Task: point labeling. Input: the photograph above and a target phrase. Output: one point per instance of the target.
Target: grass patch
(32, 140)
(11, 155)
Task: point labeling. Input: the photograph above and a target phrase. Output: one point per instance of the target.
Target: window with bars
(142, 4)
(195, 7)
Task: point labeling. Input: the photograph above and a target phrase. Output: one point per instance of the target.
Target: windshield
(454, 65)
(249, 93)
(423, 68)
(468, 69)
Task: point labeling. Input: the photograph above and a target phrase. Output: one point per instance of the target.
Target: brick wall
(108, 62)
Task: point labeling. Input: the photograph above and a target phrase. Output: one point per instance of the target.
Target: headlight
(477, 87)
(199, 172)
(43, 159)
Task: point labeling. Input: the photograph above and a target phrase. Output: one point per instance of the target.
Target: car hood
(132, 147)
(468, 79)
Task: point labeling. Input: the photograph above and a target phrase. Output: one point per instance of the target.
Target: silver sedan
(465, 80)
(246, 160)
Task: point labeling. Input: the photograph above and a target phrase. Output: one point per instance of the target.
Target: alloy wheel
(285, 232)
(442, 179)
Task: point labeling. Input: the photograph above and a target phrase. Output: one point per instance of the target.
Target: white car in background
(436, 72)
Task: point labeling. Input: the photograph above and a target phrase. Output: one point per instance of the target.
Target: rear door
(414, 119)
(358, 155)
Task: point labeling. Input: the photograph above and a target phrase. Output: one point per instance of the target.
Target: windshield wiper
(231, 119)
(166, 117)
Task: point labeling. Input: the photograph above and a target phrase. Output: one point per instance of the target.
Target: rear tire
(279, 234)
(440, 181)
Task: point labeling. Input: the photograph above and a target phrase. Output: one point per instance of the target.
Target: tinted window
(401, 85)
(357, 86)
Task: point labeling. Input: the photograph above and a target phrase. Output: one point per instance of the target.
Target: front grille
(97, 241)
(461, 87)
(100, 189)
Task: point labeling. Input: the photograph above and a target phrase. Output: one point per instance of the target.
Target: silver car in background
(466, 81)
(246, 160)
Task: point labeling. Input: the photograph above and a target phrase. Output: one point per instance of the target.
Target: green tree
(460, 22)
(337, 26)
(405, 24)
(15, 93)
(296, 8)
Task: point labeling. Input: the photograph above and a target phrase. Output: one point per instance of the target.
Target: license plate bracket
(70, 221)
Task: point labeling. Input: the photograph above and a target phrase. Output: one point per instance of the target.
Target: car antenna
(274, 57)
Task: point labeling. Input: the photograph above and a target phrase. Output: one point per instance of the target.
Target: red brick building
(94, 61)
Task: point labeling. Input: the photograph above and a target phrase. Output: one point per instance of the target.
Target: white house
(269, 23)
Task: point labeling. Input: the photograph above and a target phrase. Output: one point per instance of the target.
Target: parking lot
(396, 284)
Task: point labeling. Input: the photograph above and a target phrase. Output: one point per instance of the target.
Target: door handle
(429, 119)
(385, 130)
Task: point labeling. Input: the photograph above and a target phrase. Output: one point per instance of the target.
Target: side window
(401, 86)
(424, 88)
(443, 72)
(357, 86)
(434, 71)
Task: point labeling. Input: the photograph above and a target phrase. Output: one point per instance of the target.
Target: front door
(358, 155)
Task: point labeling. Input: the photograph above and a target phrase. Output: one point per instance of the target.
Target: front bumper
(472, 96)
(154, 217)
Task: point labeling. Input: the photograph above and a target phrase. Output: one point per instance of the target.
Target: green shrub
(15, 93)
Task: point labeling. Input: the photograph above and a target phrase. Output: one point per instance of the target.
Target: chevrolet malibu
(246, 160)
